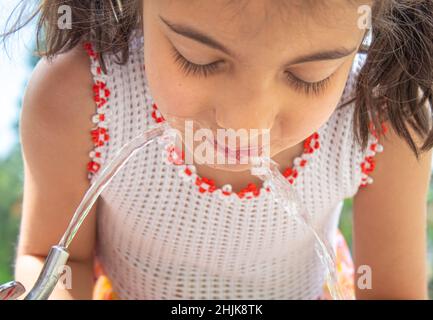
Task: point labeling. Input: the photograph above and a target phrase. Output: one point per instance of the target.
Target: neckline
(188, 172)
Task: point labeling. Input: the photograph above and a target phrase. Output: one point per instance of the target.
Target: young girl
(346, 119)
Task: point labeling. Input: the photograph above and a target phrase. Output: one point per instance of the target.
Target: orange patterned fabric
(345, 270)
(103, 289)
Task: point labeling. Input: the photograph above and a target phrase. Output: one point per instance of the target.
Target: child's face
(252, 85)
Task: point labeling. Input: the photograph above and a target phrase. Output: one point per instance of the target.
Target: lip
(234, 153)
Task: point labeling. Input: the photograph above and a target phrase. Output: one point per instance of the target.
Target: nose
(251, 107)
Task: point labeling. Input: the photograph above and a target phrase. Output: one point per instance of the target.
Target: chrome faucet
(58, 255)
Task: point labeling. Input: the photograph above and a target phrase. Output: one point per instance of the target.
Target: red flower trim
(101, 94)
(368, 164)
(156, 115)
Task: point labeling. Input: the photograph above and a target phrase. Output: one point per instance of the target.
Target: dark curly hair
(394, 85)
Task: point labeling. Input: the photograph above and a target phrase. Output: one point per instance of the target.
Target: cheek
(173, 92)
(311, 113)
(297, 126)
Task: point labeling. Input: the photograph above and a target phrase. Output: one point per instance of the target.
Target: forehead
(270, 22)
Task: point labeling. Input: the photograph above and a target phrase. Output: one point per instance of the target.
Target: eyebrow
(196, 35)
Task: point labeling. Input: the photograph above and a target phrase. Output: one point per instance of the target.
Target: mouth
(236, 153)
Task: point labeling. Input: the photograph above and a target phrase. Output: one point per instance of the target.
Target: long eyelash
(188, 68)
(309, 88)
(191, 68)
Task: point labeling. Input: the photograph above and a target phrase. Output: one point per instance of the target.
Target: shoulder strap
(99, 132)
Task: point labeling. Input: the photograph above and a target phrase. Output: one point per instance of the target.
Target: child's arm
(55, 128)
(390, 223)
(28, 267)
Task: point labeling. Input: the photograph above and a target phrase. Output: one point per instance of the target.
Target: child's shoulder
(57, 105)
(61, 85)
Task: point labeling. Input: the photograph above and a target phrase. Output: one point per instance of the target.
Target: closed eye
(190, 68)
(206, 70)
(309, 88)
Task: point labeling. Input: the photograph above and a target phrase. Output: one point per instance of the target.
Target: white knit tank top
(160, 237)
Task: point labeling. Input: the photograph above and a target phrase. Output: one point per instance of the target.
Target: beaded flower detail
(368, 164)
(101, 94)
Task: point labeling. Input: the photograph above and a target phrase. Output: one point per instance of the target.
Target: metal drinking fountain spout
(58, 255)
